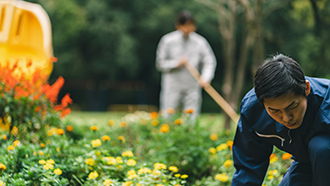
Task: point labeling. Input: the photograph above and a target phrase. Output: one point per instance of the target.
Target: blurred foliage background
(106, 48)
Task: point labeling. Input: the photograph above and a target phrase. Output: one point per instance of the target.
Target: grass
(213, 121)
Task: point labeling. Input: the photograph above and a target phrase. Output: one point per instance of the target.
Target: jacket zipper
(271, 136)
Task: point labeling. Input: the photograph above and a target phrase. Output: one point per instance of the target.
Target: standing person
(175, 50)
(290, 111)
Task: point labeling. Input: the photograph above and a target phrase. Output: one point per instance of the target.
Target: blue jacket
(257, 133)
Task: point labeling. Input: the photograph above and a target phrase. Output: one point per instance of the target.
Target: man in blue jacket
(290, 111)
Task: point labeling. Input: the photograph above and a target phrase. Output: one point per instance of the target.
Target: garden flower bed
(39, 147)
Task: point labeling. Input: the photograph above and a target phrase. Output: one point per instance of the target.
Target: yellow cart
(25, 37)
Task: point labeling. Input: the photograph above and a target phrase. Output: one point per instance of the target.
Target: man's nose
(286, 117)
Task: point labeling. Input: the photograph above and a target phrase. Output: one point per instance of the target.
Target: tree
(250, 36)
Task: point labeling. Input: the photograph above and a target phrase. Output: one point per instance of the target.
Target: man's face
(187, 28)
(288, 109)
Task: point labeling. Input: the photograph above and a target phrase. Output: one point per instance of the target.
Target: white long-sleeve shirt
(174, 46)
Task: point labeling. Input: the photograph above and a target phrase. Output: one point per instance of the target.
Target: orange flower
(272, 156)
(286, 156)
(65, 112)
(189, 111)
(123, 124)
(178, 122)
(51, 91)
(230, 144)
(66, 100)
(94, 128)
(42, 145)
(4, 137)
(153, 115)
(60, 131)
(214, 137)
(170, 111)
(69, 128)
(164, 128)
(106, 138)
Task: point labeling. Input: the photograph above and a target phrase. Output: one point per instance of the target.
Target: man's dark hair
(277, 76)
(184, 17)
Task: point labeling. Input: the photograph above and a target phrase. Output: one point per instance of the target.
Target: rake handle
(214, 94)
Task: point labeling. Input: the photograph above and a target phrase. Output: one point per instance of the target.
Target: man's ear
(308, 88)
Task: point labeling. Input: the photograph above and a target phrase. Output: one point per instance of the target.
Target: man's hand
(183, 61)
(203, 83)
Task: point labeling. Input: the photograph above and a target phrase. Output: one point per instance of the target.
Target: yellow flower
(41, 153)
(212, 150)
(228, 163)
(156, 172)
(127, 154)
(14, 131)
(144, 171)
(122, 138)
(178, 122)
(2, 166)
(184, 176)
(131, 172)
(107, 182)
(106, 138)
(158, 166)
(94, 128)
(173, 169)
(111, 122)
(58, 149)
(177, 185)
(222, 177)
(177, 175)
(2, 183)
(90, 161)
(58, 171)
(214, 137)
(132, 176)
(50, 161)
(273, 160)
(159, 184)
(110, 160)
(50, 132)
(96, 143)
(48, 166)
(42, 162)
(131, 162)
(10, 147)
(154, 122)
(93, 175)
(119, 159)
(127, 183)
(16, 143)
(221, 147)
(164, 128)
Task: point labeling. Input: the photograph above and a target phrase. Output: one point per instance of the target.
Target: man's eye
(273, 111)
(294, 106)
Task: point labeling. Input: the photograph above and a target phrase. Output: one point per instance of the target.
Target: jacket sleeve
(250, 155)
(163, 62)
(208, 61)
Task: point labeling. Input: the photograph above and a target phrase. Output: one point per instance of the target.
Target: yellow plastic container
(25, 37)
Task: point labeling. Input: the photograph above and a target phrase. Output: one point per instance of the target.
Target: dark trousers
(315, 174)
